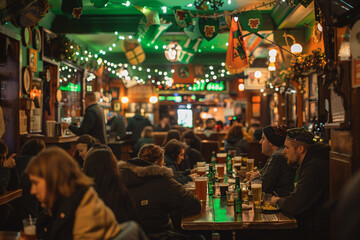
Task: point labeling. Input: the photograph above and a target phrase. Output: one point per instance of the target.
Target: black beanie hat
(276, 134)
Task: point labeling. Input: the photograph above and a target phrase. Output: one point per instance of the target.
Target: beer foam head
(201, 164)
(221, 154)
(250, 160)
(256, 185)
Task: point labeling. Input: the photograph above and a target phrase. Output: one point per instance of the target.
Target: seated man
(277, 176)
(312, 190)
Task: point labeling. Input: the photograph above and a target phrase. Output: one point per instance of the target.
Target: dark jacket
(117, 126)
(238, 144)
(311, 191)
(158, 128)
(156, 194)
(9, 179)
(82, 215)
(180, 176)
(192, 156)
(92, 124)
(277, 175)
(136, 124)
(195, 143)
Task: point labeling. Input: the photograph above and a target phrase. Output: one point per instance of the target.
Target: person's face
(38, 188)
(165, 121)
(82, 149)
(266, 146)
(181, 156)
(291, 153)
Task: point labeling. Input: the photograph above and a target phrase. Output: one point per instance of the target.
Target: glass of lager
(201, 171)
(221, 157)
(249, 164)
(256, 190)
(220, 170)
(30, 228)
(201, 188)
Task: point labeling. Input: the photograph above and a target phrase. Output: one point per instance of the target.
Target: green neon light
(201, 86)
(162, 98)
(71, 87)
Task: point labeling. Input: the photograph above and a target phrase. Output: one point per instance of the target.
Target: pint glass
(249, 164)
(256, 190)
(200, 188)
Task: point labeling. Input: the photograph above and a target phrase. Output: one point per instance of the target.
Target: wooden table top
(11, 195)
(217, 215)
(7, 235)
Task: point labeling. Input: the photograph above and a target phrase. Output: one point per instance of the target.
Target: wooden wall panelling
(340, 172)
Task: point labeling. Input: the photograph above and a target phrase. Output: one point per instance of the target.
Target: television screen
(344, 12)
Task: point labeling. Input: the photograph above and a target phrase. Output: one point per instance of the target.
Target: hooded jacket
(238, 144)
(306, 202)
(156, 194)
(136, 124)
(180, 176)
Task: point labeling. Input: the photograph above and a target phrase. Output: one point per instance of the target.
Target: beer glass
(256, 190)
(201, 171)
(267, 200)
(221, 157)
(30, 228)
(230, 197)
(237, 167)
(224, 187)
(220, 170)
(249, 164)
(201, 164)
(200, 188)
(237, 159)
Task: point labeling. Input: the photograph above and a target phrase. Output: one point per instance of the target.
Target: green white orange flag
(236, 59)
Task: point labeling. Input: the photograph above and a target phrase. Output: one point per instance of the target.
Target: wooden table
(7, 235)
(11, 195)
(217, 215)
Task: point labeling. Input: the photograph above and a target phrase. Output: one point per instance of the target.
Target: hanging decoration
(251, 21)
(72, 8)
(214, 4)
(173, 51)
(182, 17)
(236, 59)
(209, 28)
(189, 49)
(193, 31)
(133, 51)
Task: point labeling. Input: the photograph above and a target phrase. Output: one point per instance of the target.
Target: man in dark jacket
(136, 124)
(312, 189)
(156, 193)
(93, 122)
(277, 176)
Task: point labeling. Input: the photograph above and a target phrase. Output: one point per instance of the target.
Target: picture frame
(313, 87)
(117, 106)
(33, 59)
(307, 88)
(115, 92)
(313, 111)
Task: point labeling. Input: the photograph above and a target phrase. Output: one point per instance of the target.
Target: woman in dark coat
(234, 140)
(174, 155)
(100, 164)
(191, 140)
(172, 134)
(146, 137)
(155, 192)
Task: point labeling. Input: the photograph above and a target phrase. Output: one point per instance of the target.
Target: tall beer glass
(256, 190)
(30, 228)
(249, 164)
(200, 188)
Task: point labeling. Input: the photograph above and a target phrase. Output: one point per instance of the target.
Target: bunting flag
(133, 51)
(189, 49)
(182, 18)
(72, 8)
(209, 27)
(192, 31)
(236, 59)
(251, 21)
(151, 28)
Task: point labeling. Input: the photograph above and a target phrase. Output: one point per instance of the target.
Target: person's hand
(274, 200)
(193, 170)
(65, 125)
(252, 174)
(193, 176)
(10, 162)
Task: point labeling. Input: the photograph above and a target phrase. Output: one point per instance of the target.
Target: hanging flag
(192, 31)
(209, 27)
(189, 49)
(72, 8)
(236, 59)
(251, 21)
(133, 51)
(182, 18)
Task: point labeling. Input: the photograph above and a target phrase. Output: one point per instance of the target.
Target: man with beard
(306, 202)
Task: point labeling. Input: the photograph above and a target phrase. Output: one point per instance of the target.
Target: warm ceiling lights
(258, 74)
(296, 48)
(153, 99)
(173, 51)
(124, 100)
(272, 52)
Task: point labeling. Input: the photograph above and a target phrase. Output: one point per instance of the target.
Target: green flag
(251, 21)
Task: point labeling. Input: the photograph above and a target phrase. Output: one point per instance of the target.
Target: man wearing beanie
(311, 193)
(277, 176)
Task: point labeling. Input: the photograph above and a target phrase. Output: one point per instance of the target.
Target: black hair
(32, 147)
(173, 148)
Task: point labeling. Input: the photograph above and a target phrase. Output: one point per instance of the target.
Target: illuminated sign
(212, 86)
(170, 98)
(71, 87)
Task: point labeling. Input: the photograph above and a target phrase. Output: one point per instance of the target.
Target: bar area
(195, 119)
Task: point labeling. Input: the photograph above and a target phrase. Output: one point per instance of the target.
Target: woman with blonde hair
(73, 209)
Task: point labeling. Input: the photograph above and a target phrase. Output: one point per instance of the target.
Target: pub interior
(181, 119)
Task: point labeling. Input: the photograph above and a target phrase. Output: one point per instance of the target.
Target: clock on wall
(26, 36)
(27, 80)
(37, 39)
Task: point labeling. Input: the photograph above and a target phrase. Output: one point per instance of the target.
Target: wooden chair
(207, 147)
(254, 151)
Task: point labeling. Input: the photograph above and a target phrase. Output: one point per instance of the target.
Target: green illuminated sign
(71, 87)
(201, 86)
(170, 98)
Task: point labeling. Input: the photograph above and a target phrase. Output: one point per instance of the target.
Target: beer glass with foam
(256, 190)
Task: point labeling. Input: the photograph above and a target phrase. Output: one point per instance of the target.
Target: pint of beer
(220, 170)
(249, 164)
(30, 228)
(201, 171)
(237, 167)
(200, 188)
(221, 157)
(256, 190)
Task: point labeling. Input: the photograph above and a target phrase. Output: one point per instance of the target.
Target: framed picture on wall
(313, 111)
(114, 93)
(33, 59)
(307, 88)
(116, 106)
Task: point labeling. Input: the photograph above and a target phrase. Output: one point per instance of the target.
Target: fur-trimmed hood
(136, 172)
